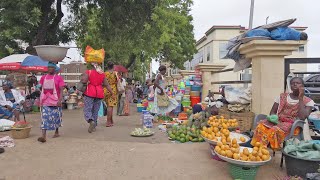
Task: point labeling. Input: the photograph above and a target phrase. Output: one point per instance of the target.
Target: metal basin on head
(51, 53)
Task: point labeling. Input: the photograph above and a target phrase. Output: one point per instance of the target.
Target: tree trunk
(132, 60)
(45, 28)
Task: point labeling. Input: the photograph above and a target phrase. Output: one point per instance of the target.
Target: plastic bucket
(316, 122)
(195, 88)
(70, 106)
(140, 109)
(195, 93)
(300, 167)
(186, 103)
(195, 100)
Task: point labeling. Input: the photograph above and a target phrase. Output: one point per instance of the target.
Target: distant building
(212, 48)
(71, 72)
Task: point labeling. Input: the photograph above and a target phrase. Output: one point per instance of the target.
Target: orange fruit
(224, 141)
(256, 149)
(265, 157)
(254, 153)
(244, 158)
(223, 153)
(219, 144)
(257, 144)
(258, 158)
(246, 151)
(260, 154)
(242, 139)
(217, 148)
(210, 137)
(235, 156)
(265, 152)
(229, 154)
(252, 158)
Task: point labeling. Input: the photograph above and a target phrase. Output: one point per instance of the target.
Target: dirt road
(112, 154)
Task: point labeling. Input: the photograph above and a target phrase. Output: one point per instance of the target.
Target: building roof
(213, 28)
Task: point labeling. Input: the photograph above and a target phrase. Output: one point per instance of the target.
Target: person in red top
(93, 94)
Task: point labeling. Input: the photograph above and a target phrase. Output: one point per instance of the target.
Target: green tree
(35, 22)
(135, 30)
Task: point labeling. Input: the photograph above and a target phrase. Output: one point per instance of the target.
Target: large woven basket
(245, 119)
(243, 173)
(20, 133)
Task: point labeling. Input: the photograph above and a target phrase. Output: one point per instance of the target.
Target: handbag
(82, 87)
(105, 108)
(163, 100)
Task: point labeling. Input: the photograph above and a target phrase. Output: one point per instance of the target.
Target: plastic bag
(235, 95)
(258, 32)
(92, 55)
(285, 33)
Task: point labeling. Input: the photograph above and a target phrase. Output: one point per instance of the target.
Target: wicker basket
(238, 172)
(245, 119)
(20, 133)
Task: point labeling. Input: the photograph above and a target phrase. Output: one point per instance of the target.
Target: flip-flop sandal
(41, 139)
(56, 136)
(109, 125)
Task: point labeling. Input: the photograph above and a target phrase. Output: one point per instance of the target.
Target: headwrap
(7, 83)
(57, 69)
(51, 64)
(97, 67)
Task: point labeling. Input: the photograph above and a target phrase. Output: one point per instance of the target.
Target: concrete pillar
(267, 70)
(185, 73)
(208, 75)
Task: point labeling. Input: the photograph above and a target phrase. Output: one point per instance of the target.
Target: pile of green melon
(184, 134)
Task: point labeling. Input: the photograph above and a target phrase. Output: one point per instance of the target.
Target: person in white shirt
(10, 100)
(121, 96)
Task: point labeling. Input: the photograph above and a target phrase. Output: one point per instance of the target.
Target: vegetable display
(184, 134)
(142, 132)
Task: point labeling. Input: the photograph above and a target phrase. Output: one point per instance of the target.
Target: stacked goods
(234, 151)
(195, 89)
(184, 134)
(222, 122)
(140, 107)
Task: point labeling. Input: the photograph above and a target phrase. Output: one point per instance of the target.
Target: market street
(111, 153)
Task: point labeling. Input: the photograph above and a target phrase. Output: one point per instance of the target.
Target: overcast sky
(207, 13)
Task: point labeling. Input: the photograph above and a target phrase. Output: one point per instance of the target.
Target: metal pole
(246, 71)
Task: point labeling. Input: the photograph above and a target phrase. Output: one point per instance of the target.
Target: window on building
(301, 49)
(77, 70)
(65, 77)
(208, 53)
(222, 50)
(78, 77)
(65, 70)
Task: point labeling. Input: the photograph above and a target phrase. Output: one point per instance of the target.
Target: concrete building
(71, 72)
(212, 48)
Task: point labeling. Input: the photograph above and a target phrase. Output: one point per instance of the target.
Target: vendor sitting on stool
(287, 107)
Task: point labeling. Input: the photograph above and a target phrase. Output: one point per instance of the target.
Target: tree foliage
(35, 22)
(131, 31)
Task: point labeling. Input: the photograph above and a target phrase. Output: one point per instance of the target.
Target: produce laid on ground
(198, 120)
(163, 119)
(142, 132)
(233, 151)
(185, 133)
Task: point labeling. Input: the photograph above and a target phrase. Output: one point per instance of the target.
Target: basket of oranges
(243, 156)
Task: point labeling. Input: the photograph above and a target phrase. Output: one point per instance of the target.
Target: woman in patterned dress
(111, 98)
(51, 101)
(288, 107)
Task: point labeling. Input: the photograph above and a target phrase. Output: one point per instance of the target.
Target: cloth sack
(162, 100)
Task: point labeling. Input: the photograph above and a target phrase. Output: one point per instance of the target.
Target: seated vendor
(288, 107)
(10, 101)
